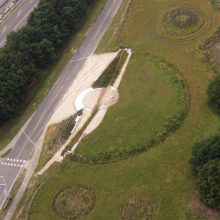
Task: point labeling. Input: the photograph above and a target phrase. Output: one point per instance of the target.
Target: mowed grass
(162, 174)
(150, 95)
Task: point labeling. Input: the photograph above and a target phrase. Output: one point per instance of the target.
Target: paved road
(12, 165)
(16, 19)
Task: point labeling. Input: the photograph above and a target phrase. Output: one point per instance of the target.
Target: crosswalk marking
(12, 164)
(16, 160)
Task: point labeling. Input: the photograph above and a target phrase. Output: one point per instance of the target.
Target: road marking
(4, 29)
(22, 148)
(11, 13)
(19, 13)
(12, 159)
(29, 138)
(83, 58)
(25, 16)
(12, 164)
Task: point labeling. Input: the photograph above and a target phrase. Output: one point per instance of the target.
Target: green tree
(204, 151)
(33, 47)
(213, 93)
(209, 183)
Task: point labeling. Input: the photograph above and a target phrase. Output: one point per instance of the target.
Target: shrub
(204, 151)
(209, 183)
(213, 93)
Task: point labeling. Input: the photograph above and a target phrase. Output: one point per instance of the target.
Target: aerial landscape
(110, 109)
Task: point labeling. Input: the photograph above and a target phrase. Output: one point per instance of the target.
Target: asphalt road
(16, 18)
(13, 164)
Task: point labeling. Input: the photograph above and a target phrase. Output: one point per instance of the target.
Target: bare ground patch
(203, 210)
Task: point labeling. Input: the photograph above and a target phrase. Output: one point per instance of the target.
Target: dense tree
(205, 151)
(205, 162)
(34, 46)
(209, 183)
(213, 93)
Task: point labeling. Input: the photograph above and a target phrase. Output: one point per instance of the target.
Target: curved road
(12, 165)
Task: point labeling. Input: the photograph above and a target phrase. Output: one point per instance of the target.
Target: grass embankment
(151, 104)
(6, 153)
(162, 175)
(109, 76)
(46, 80)
(55, 137)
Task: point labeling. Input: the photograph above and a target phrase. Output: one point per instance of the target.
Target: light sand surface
(109, 98)
(95, 65)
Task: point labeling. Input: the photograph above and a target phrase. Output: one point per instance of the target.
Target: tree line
(205, 161)
(32, 48)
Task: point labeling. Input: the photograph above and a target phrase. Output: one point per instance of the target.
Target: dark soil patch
(183, 21)
(138, 209)
(74, 201)
(211, 48)
(203, 210)
(183, 17)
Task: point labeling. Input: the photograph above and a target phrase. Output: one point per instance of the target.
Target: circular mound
(74, 201)
(152, 104)
(183, 21)
(138, 209)
(109, 98)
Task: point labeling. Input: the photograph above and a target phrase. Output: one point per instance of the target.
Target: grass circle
(138, 209)
(182, 21)
(153, 102)
(74, 201)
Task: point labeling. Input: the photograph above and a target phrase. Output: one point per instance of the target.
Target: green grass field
(151, 94)
(162, 174)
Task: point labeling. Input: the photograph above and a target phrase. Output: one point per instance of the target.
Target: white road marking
(4, 29)
(12, 164)
(19, 13)
(25, 16)
(12, 159)
(83, 58)
(28, 138)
